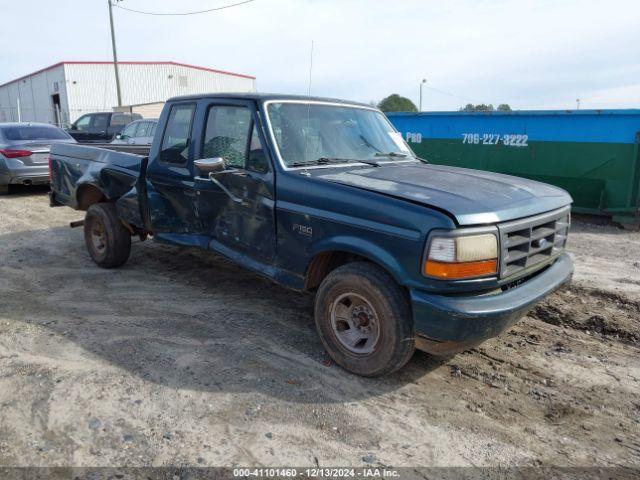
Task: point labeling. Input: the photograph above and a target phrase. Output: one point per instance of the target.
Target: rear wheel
(106, 238)
(364, 320)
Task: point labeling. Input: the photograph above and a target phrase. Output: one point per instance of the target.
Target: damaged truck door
(235, 204)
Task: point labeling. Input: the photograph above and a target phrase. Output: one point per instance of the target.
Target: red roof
(178, 64)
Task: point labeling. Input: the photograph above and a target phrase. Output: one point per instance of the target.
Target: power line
(448, 93)
(182, 13)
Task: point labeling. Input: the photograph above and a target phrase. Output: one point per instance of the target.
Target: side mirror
(207, 166)
(73, 127)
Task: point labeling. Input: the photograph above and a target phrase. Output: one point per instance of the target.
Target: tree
(481, 107)
(396, 103)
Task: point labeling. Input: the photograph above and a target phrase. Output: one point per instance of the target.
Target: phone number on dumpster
(510, 140)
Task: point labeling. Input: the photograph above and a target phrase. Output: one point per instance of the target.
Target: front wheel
(364, 320)
(106, 238)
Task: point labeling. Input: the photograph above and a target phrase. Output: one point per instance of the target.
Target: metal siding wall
(34, 93)
(90, 88)
(151, 110)
(95, 87)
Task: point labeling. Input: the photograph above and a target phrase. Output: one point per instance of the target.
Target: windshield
(311, 133)
(25, 133)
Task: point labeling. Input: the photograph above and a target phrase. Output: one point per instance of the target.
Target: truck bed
(115, 172)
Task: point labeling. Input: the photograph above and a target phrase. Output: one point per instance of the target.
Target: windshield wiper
(391, 154)
(349, 160)
(322, 161)
(330, 160)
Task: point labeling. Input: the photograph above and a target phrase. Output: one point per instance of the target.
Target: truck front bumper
(446, 324)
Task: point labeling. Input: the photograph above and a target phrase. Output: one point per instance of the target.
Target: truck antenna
(306, 137)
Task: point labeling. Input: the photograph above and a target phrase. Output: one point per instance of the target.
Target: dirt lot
(181, 358)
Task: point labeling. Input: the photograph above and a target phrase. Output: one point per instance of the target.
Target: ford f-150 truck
(325, 196)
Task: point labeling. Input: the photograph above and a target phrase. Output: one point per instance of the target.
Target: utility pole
(577, 104)
(424, 80)
(115, 54)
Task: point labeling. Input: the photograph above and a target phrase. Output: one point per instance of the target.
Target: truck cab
(324, 196)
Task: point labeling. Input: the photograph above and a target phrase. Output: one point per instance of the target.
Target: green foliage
(481, 107)
(396, 103)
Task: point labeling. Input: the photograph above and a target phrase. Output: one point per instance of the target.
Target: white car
(139, 132)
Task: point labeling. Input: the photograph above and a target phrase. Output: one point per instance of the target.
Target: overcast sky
(532, 54)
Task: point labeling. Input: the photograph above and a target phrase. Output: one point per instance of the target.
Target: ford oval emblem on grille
(541, 243)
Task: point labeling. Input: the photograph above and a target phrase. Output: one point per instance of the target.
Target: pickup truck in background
(100, 127)
(325, 196)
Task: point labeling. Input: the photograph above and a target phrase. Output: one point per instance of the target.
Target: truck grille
(531, 241)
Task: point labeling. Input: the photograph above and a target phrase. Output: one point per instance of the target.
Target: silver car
(24, 152)
(139, 132)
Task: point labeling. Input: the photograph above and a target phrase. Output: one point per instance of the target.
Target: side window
(175, 143)
(130, 130)
(227, 134)
(154, 125)
(118, 119)
(83, 122)
(100, 121)
(143, 129)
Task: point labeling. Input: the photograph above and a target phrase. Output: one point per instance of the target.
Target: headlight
(464, 256)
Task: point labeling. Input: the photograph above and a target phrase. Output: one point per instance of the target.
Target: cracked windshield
(312, 134)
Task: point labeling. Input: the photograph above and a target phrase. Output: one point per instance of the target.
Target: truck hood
(471, 196)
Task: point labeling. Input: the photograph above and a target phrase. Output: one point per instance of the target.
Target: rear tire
(4, 189)
(364, 320)
(106, 238)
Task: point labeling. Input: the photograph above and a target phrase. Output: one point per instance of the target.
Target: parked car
(101, 127)
(139, 132)
(24, 152)
(325, 196)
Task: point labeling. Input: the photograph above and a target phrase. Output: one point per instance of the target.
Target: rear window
(33, 132)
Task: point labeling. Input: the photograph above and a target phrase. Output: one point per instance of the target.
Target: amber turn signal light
(460, 270)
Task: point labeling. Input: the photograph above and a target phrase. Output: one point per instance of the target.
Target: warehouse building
(61, 93)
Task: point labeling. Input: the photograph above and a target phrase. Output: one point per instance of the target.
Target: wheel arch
(87, 194)
(330, 255)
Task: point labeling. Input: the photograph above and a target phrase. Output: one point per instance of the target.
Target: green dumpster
(593, 154)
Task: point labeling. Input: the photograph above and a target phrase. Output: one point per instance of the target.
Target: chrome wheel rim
(355, 323)
(98, 237)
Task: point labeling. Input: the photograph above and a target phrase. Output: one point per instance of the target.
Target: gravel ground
(181, 358)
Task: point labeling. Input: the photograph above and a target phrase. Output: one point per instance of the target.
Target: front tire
(364, 320)
(106, 238)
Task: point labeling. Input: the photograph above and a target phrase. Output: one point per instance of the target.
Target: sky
(531, 54)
